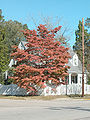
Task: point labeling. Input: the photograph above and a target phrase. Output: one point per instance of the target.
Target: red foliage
(43, 60)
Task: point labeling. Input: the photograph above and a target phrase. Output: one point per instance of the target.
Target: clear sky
(70, 11)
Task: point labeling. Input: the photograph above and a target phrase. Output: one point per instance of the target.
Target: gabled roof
(74, 69)
(72, 53)
(22, 45)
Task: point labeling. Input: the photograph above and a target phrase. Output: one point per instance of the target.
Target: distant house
(75, 71)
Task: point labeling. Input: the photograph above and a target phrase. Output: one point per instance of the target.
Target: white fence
(60, 90)
(66, 90)
(11, 89)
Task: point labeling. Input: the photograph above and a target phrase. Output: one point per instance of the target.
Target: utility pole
(82, 57)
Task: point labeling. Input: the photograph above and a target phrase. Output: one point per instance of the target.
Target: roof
(74, 69)
(72, 53)
(22, 45)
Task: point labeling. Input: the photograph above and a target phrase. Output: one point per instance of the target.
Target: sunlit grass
(87, 97)
(33, 97)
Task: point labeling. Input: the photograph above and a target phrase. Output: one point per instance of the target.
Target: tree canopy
(13, 32)
(87, 22)
(78, 44)
(43, 61)
(10, 34)
(4, 58)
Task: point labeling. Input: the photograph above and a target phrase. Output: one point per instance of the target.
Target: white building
(75, 71)
(74, 78)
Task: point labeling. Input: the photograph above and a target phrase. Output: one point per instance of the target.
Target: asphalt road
(60, 109)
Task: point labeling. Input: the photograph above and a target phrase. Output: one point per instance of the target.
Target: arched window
(75, 60)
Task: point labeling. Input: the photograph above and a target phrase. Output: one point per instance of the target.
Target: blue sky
(69, 11)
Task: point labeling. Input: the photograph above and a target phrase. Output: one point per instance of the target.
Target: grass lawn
(33, 97)
(86, 97)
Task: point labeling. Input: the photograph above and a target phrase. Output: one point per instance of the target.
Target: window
(74, 78)
(75, 60)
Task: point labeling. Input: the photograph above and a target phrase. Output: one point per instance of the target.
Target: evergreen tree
(4, 57)
(10, 34)
(78, 45)
(87, 22)
(14, 33)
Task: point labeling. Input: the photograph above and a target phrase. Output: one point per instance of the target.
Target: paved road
(60, 109)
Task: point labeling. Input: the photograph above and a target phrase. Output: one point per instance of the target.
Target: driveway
(59, 109)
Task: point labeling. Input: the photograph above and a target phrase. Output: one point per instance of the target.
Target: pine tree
(4, 57)
(78, 45)
(87, 22)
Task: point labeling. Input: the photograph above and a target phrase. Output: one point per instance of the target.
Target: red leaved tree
(43, 61)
